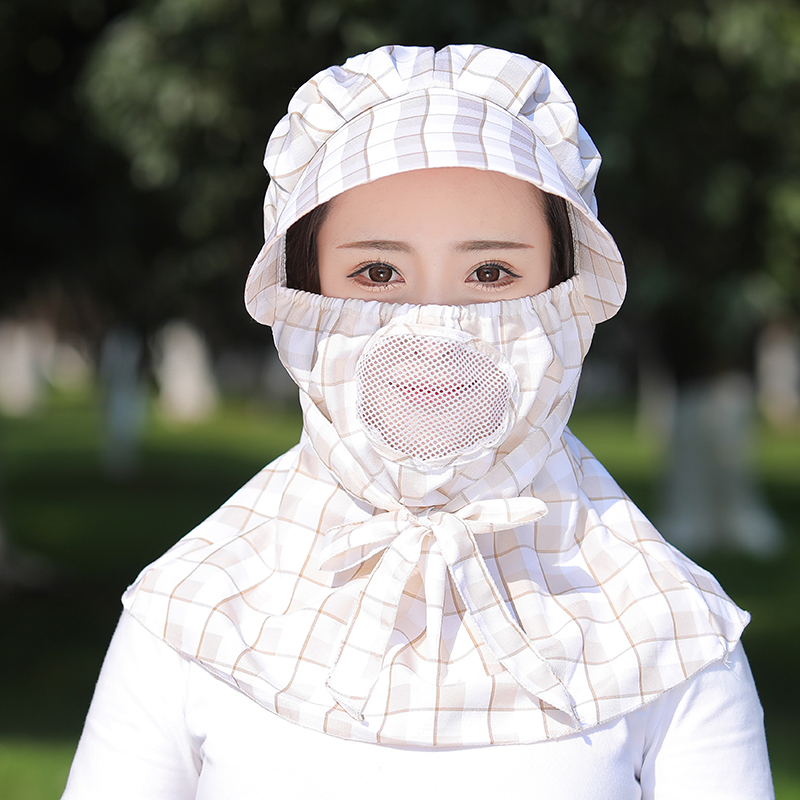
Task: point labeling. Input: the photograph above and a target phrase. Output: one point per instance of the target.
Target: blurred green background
(132, 138)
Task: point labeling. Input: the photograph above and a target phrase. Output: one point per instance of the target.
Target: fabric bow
(402, 535)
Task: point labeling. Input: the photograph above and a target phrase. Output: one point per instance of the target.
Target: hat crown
(528, 90)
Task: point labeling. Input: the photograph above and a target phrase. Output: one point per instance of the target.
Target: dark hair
(562, 246)
(302, 264)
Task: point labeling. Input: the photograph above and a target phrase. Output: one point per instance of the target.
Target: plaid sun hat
(399, 109)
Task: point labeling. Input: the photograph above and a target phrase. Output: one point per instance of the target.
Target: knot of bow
(401, 536)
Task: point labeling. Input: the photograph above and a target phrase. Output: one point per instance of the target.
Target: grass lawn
(57, 502)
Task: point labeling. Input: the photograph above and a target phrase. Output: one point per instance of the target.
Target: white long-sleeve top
(160, 726)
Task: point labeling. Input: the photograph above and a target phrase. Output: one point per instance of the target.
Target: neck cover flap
(392, 584)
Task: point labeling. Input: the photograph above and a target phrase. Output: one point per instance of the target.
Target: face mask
(416, 405)
(428, 393)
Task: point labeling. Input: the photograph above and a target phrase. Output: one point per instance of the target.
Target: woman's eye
(488, 273)
(376, 275)
(493, 276)
(379, 273)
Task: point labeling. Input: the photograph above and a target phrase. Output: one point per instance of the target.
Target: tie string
(401, 536)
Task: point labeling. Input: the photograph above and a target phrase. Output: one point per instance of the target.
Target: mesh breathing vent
(430, 398)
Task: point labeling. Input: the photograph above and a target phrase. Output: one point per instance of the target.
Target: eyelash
(507, 275)
(374, 286)
(501, 283)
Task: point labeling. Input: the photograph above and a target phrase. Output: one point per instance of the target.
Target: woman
(439, 567)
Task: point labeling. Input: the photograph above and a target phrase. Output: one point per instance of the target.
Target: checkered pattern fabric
(500, 591)
(509, 594)
(399, 109)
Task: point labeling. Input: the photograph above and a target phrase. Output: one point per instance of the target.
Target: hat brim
(429, 129)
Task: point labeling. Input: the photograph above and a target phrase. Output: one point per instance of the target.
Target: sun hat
(398, 109)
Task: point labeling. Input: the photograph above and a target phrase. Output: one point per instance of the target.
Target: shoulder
(708, 734)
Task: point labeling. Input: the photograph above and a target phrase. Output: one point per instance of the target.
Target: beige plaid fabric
(502, 592)
(513, 595)
(398, 109)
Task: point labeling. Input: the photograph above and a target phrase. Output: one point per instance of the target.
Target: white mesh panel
(430, 398)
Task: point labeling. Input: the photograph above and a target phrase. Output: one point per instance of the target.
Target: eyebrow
(492, 244)
(378, 244)
(473, 246)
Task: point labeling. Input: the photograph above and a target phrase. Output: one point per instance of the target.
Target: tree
(695, 107)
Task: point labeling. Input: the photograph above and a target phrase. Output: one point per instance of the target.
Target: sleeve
(709, 743)
(135, 743)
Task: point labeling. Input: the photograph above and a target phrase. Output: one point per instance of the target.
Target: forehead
(448, 198)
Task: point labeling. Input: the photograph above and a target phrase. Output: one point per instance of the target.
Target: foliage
(33, 770)
(152, 202)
